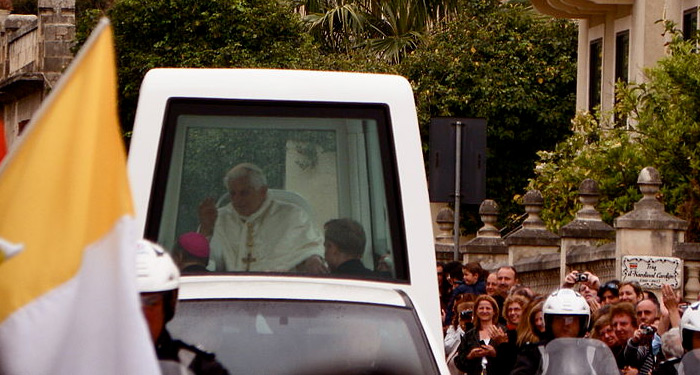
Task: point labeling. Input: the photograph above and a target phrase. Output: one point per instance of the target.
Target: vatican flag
(68, 297)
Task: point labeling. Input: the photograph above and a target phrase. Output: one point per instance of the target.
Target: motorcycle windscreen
(690, 364)
(578, 356)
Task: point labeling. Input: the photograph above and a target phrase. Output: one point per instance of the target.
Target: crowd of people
(495, 325)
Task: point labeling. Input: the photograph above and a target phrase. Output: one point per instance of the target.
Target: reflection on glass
(286, 337)
(317, 167)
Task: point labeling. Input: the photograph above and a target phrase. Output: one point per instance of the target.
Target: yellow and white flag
(68, 297)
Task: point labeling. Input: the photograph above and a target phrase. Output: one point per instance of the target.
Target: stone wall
(34, 51)
(23, 49)
(543, 258)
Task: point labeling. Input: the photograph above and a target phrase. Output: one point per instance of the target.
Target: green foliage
(215, 33)
(510, 65)
(399, 30)
(665, 111)
(610, 157)
(387, 29)
(337, 25)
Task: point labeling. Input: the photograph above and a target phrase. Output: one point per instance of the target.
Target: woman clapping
(479, 346)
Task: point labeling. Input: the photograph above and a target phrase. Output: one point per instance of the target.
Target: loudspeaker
(442, 160)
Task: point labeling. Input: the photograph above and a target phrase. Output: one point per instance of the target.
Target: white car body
(392, 92)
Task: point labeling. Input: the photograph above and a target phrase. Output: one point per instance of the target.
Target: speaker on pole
(442, 159)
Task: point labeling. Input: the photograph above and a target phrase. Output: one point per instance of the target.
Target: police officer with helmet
(567, 316)
(158, 281)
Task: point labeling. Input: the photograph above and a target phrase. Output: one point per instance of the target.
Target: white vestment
(277, 237)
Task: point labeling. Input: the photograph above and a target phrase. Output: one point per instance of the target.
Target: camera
(466, 315)
(647, 330)
(581, 277)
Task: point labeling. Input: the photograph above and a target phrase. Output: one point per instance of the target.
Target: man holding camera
(588, 287)
(645, 344)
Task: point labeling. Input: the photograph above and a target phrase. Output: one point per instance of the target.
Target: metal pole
(458, 182)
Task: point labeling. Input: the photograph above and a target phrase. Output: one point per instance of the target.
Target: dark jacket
(668, 367)
(619, 353)
(494, 366)
(507, 352)
(198, 361)
(354, 267)
(194, 268)
(639, 356)
(528, 359)
(477, 289)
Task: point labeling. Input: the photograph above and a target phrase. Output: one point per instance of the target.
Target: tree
(216, 33)
(611, 156)
(665, 133)
(510, 65)
(337, 25)
(388, 29)
(398, 30)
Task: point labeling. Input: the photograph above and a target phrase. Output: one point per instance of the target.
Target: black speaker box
(442, 160)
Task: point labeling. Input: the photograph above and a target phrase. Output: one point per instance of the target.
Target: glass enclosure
(304, 337)
(318, 162)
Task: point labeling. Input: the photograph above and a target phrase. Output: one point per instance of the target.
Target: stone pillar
(57, 35)
(581, 239)
(487, 247)
(647, 230)
(690, 253)
(533, 238)
(445, 221)
(444, 241)
(692, 284)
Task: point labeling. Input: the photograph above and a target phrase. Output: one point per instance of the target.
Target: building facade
(34, 51)
(617, 40)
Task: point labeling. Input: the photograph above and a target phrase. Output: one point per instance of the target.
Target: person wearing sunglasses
(609, 293)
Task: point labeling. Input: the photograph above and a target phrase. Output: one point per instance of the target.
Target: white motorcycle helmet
(690, 323)
(155, 269)
(566, 302)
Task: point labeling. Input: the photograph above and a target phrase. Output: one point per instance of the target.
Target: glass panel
(283, 337)
(690, 23)
(265, 183)
(595, 66)
(622, 57)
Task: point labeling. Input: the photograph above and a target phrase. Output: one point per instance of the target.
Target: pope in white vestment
(258, 233)
(277, 237)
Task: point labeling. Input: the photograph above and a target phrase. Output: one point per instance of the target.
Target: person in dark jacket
(566, 314)
(479, 349)
(344, 245)
(474, 278)
(471, 280)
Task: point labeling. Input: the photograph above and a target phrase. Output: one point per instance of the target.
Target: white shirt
(452, 339)
(277, 237)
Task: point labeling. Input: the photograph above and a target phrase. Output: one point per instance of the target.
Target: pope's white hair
(255, 175)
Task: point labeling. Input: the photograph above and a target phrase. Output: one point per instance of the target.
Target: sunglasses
(610, 286)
